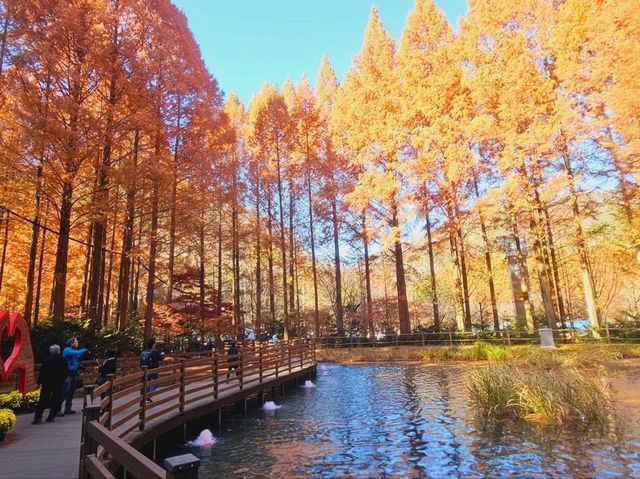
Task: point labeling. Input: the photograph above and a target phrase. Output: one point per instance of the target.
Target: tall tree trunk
(465, 281)
(272, 294)
(135, 274)
(174, 198)
(112, 245)
(367, 276)
(525, 282)
(487, 258)
(122, 317)
(219, 275)
(62, 253)
(587, 280)
(5, 243)
(3, 42)
(432, 271)
(283, 250)
(36, 306)
(86, 271)
(35, 230)
(338, 269)
(96, 283)
(296, 288)
(545, 250)
(258, 263)
(235, 247)
(545, 287)
(314, 267)
(201, 277)
(33, 251)
(153, 249)
(401, 286)
(292, 288)
(459, 303)
(554, 265)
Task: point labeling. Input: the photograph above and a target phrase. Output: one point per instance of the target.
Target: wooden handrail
(124, 454)
(109, 419)
(190, 377)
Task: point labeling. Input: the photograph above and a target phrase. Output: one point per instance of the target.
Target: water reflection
(404, 421)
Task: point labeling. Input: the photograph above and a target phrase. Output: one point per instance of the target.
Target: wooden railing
(457, 338)
(128, 403)
(96, 437)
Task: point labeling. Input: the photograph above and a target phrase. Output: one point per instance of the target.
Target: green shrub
(7, 420)
(97, 341)
(30, 400)
(12, 400)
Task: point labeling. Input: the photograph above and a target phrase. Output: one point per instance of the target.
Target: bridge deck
(53, 450)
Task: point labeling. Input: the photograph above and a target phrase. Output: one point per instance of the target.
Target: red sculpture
(21, 358)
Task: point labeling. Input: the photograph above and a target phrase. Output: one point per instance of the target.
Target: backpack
(146, 358)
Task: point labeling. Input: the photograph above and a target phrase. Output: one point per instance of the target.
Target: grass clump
(556, 396)
(479, 351)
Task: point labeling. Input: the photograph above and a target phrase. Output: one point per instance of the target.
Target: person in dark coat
(51, 377)
(151, 358)
(233, 359)
(107, 368)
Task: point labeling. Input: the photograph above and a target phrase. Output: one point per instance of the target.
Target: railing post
(182, 467)
(422, 338)
(260, 369)
(508, 337)
(88, 391)
(302, 351)
(241, 369)
(143, 401)
(215, 375)
(109, 393)
(183, 379)
(289, 347)
(87, 445)
(450, 338)
(82, 427)
(277, 348)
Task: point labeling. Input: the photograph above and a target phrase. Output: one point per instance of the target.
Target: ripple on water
(367, 421)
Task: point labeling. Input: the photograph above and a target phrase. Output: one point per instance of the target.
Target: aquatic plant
(555, 396)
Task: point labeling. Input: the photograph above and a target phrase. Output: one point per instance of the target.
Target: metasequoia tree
(365, 107)
(332, 169)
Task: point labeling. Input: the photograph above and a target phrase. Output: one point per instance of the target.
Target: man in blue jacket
(71, 354)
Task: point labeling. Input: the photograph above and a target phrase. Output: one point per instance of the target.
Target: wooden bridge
(132, 410)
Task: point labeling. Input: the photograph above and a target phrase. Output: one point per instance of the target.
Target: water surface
(404, 421)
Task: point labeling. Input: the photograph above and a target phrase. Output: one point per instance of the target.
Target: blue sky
(247, 42)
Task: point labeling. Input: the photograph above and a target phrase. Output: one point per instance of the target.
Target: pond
(402, 421)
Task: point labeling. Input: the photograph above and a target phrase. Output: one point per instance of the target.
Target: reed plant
(555, 396)
(578, 356)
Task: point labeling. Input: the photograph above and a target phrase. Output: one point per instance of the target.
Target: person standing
(51, 377)
(151, 357)
(71, 354)
(107, 368)
(233, 359)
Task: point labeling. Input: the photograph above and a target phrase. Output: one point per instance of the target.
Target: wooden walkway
(48, 451)
(184, 391)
